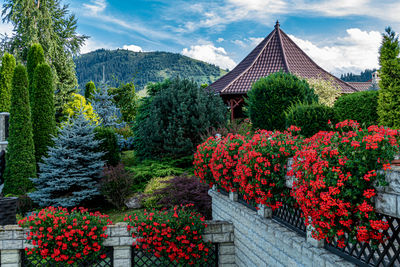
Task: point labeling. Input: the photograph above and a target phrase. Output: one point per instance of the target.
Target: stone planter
(8, 210)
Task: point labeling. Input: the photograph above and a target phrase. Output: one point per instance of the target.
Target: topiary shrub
(173, 120)
(90, 89)
(311, 118)
(20, 156)
(150, 200)
(6, 74)
(108, 145)
(34, 58)
(269, 98)
(360, 106)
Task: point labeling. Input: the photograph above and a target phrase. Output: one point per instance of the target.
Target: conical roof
(276, 52)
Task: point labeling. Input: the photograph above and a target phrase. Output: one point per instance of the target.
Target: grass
(119, 215)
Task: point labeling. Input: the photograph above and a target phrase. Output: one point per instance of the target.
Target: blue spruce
(70, 174)
(103, 105)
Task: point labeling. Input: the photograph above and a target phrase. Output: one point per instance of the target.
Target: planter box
(8, 210)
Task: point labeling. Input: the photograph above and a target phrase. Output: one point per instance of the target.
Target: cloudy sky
(340, 35)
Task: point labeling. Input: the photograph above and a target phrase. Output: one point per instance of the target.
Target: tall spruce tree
(90, 89)
(20, 157)
(6, 74)
(104, 106)
(43, 113)
(389, 101)
(70, 174)
(35, 57)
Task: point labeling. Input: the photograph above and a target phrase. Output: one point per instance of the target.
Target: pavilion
(277, 52)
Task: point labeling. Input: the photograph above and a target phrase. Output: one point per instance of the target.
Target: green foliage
(43, 113)
(90, 89)
(20, 157)
(116, 184)
(128, 158)
(121, 65)
(360, 106)
(269, 97)
(327, 90)
(35, 57)
(6, 74)
(150, 199)
(389, 101)
(79, 104)
(311, 118)
(171, 122)
(126, 100)
(108, 145)
(154, 88)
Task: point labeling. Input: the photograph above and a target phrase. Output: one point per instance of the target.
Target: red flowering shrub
(262, 165)
(202, 159)
(62, 236)
(335, 176)
(173, 236)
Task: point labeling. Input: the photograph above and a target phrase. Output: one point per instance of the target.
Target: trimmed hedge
(360, 106)
(311, 118)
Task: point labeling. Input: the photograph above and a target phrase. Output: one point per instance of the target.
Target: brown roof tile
(361, 86)
(276, 52)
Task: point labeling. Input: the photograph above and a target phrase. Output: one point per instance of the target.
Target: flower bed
(64, 237)
(172, 236)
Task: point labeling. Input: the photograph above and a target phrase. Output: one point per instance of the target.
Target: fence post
(264, 211)
(233, 196)
(11, 245)
(312, 241)
(121, 241)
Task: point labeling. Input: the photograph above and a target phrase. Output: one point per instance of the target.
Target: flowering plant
(336, 173)
(171, 235)
(202, 159)
(66, 237)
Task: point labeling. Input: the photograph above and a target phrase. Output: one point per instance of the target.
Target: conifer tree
(20, 157)
(389, 101)
(105, 108)
(6, 74)
(90, 89)
(35, 57)
(70, 174)
(43, 113)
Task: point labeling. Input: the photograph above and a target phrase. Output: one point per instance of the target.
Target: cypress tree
(35, 57)
(389, 101)
(6, 74)
(70, 174)
(43, 113)
(20, 157)
(90, 89)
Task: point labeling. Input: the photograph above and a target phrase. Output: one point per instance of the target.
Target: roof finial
(277, 24)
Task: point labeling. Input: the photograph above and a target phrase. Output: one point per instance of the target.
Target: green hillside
(143, 67)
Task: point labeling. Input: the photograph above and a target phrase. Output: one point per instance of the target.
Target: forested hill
(364, 76)
(141, 67)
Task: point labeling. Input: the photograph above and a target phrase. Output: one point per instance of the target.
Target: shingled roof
(276, 52)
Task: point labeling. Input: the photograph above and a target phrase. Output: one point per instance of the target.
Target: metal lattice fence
(251, 204)
(291, 218)
(35, 260)
(363, 254)
(145, 259)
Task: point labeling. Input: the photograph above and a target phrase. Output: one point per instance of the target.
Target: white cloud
(133, 48)
(96, 6)
(239, 43)
(92, 45)
(6, 28)
(220, 40)
(211, 54)
(355, 52)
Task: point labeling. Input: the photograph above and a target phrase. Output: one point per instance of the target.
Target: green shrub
(269, 98)
(43, 111)
(35, 57)
(150, 199)
(90, 89)
(128, 158)
(6, 74)
(108, 145)
(126, 100)
(360, 106)
(311, 118)
(20, 156)
(170, 123)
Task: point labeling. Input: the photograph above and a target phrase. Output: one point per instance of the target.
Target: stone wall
(12, 243)
(260, 241)
(3, 134)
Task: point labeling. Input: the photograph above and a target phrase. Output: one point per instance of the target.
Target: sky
(341, 36)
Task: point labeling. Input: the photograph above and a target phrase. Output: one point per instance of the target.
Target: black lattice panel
(291, 218)
(362, 254)
(144, 259)
(251, 204)
(35, 260)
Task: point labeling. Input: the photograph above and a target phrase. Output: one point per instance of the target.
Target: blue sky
(340, 35)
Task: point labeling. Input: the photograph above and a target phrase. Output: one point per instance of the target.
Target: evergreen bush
(78, 105)
(359, 106)
(43, 111)
(269, 98)
(126, 100)
(311, 118)
(389, 74)
(326, 89)
(35, 57)
(108, 145)
(90, 89)
(171, 122)
(70, 174)
(6, 74)
(151, 199)
(103, 105)
(20, 156)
